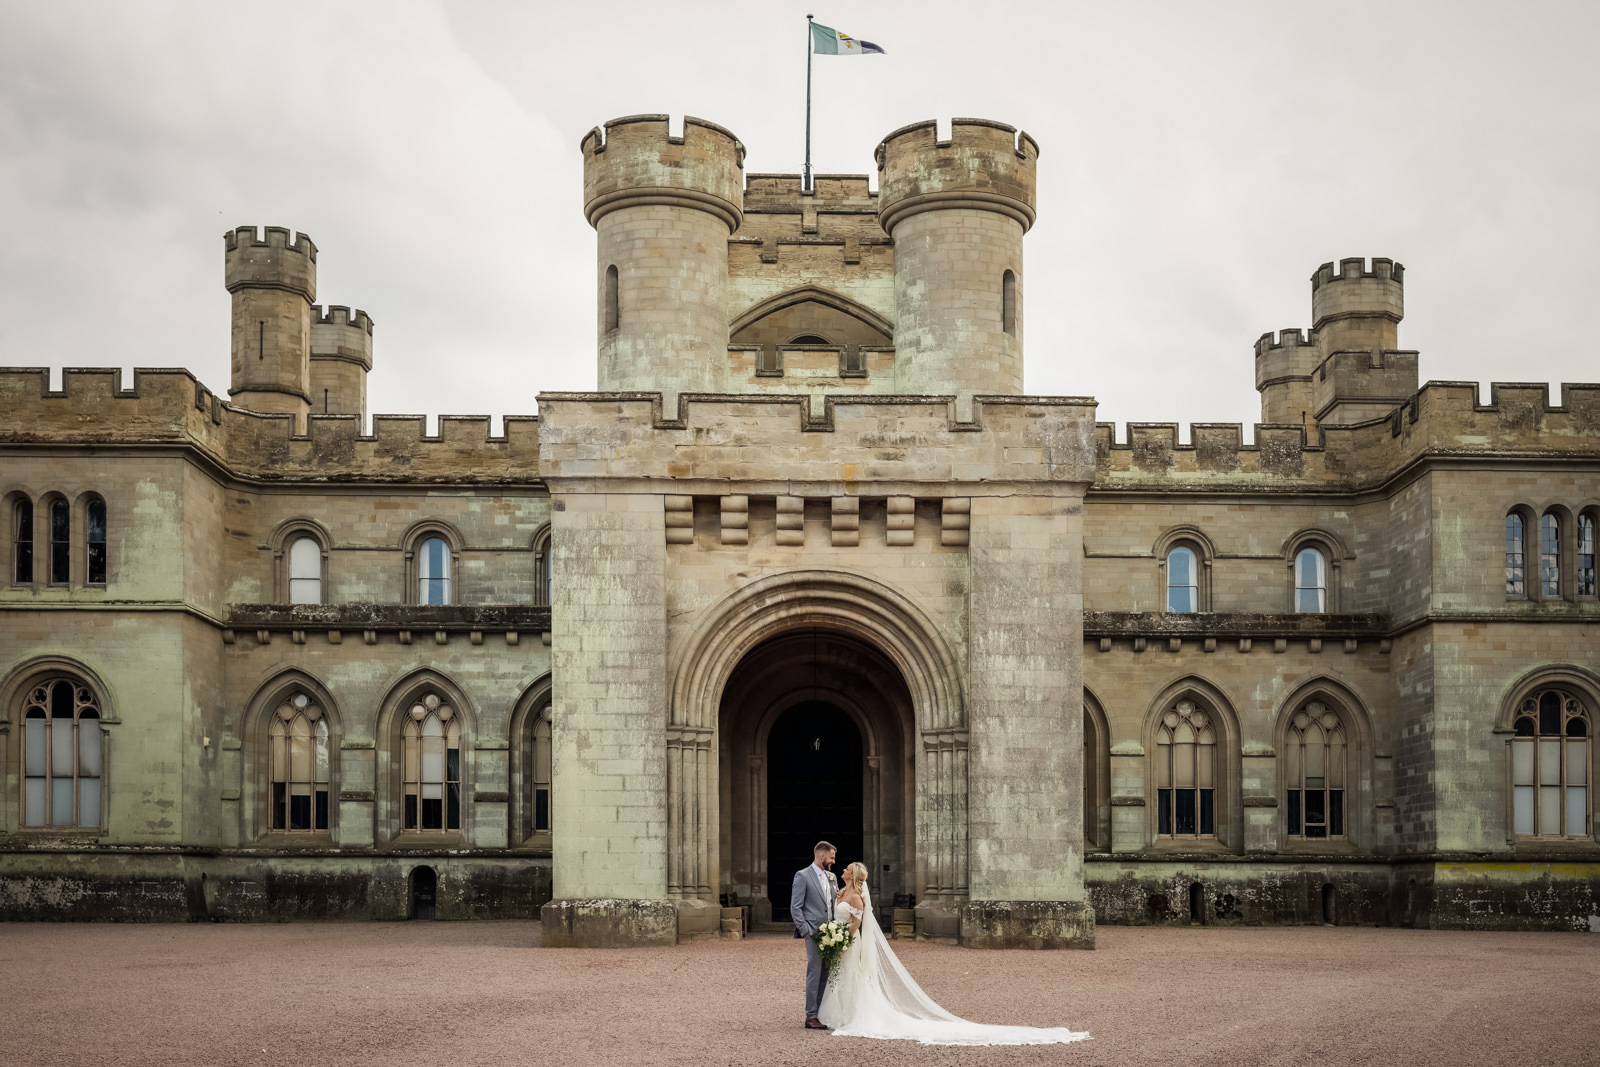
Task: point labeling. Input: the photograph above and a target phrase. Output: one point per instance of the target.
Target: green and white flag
(827, 41)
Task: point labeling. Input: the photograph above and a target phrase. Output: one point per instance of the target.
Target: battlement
(911, 445)
(984, 165)
(1290, 338)
(170, 407)
(635, 161)
(275, 262)
(277, 237)
(339, 315)
(1356, 269)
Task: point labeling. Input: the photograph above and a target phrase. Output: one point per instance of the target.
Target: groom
(810, 905)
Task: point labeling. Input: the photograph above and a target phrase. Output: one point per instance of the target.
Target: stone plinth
(1027, 924)
(609, 923)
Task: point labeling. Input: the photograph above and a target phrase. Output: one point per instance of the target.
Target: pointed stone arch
(827, 298)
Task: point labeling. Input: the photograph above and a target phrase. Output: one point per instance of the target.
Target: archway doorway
(816, 743)
(814, 776)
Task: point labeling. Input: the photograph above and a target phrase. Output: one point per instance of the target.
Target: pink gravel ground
(484, 993)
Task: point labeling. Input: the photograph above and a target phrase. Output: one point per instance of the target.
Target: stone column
(1025, 774)
(608, 723)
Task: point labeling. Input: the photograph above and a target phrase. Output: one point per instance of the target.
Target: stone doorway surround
(878, 633)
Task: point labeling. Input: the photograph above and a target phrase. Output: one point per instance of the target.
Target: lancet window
(1186, 758)
(431, 762)
(1315, 770)
(301, 766)
(1550, 766)
(62, 756)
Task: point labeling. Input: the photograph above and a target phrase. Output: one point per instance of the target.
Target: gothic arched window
(1586, 541)
(22, 542)
(1186, 758)
(431, 767)
(62, 755)
(60, 542)
(301, 766)
(1549, 555)
(95, 544)
(1550, 766)
(1315, 772)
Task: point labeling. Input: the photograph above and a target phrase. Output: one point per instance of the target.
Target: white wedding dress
(871, 995)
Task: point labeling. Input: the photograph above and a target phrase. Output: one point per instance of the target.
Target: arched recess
(809, 314)
(1228, 767)
(881, 328)
(1096, 773)
(397, 702)
(269, 695)
(532, 710)
(1351, 708)
(835, 602)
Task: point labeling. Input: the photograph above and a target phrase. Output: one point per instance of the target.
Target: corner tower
(957, 211)
(663, 208)
(341, 357)
(273, 282)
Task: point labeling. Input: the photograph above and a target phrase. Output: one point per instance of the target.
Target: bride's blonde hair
(857, 873)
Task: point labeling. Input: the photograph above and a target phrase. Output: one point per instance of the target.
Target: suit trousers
(814, 978)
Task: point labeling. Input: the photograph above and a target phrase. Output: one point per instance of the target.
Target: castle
(807, 564)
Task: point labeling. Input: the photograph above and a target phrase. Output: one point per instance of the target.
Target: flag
(827, 41)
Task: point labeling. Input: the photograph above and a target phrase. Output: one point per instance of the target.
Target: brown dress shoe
(815, 1024)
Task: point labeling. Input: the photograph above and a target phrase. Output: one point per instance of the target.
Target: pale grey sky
(1197, 162)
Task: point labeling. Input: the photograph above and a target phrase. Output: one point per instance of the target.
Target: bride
(871, 995)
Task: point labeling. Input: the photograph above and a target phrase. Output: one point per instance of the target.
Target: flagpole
(805, 183)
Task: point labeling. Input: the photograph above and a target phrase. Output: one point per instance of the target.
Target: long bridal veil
(885, 1001)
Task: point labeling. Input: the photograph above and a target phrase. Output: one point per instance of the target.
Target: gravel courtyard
(484, 993)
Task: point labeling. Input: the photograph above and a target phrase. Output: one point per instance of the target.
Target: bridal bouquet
(832, 938)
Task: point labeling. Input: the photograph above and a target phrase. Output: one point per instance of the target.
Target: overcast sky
(1198, 160)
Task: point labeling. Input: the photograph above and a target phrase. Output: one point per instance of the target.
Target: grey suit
(810, 907)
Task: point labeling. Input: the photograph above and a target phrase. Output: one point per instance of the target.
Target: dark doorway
(814, 771)
(424, 892)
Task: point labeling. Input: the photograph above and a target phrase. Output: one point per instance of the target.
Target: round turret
(1357, 308)
(957, 211)
(273, 282)
(662, 208)
(341, 356)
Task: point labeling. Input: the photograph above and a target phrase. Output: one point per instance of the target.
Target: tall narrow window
(540, 778)
(1315, 773)
(1008, 301)
(1549, 555)
(61, 757)
(1586, 577)
(1550, 767)
(1186, 773)
(60, 542)
(432, 767)
(1310, 581)
(541, 568)
(613, 311)
(300, 766)
(1183, 580)
(433, 572)
(22, 542)
(1516, 573)
(305, 571)
(95, 556)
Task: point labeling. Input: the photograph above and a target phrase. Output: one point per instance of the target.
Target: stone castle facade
(807, 564)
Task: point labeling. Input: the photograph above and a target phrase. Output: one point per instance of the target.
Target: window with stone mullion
(1550, 767)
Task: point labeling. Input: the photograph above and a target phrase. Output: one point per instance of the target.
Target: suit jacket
(808, 905)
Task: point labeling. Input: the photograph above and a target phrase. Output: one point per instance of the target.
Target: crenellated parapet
(167, 409)
(635, 162)
(1443, 419)
(984, 165)
(774, 445)
(270, 259)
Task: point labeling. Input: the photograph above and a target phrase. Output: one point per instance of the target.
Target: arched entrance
(816, 729)
(833, 637)
(814, 777)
